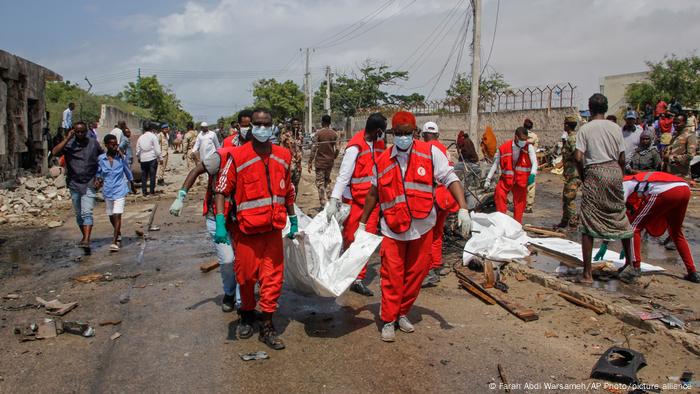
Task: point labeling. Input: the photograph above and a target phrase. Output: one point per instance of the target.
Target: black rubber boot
(268, 334)
(245, 324)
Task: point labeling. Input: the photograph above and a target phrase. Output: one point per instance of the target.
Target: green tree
(88, 106)
(284, 100)
(459, 93)
(407, 100)
(350, 92)
(668, 78)
(161, 101)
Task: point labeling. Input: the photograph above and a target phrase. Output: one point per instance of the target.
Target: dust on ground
(175, 338)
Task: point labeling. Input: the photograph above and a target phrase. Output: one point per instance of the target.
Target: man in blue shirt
(114, 174)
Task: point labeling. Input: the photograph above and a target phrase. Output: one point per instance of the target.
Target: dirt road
(174, 337)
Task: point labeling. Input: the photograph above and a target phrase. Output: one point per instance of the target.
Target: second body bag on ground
(313, 263)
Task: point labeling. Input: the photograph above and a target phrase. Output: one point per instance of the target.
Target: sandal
(113, 248)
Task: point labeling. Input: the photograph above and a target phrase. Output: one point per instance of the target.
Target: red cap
(403, 117)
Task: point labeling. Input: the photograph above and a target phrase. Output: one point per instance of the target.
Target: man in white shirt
(118, 131)
(632, 134)
(518, 163)
(403, 189)
(67, 122)
(207, 142)
(148, 154)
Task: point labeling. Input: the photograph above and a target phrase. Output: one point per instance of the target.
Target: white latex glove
(332, 208)
(360, 229)
(487, 184)
(464, 221)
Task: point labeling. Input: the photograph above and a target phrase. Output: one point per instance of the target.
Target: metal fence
(543, 97)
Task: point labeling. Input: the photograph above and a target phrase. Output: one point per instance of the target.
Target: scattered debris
(489, 274)
(78, 328)
(11, 296)
(672, 321)
(254, 356)
(597, 309)
(55, 307)
(210, 266)
(687, 377)
(139, 232)
(520, 277)
(49, 328)
(523, 313)
(109, 323)
(503, 377)
(619, 365)
(21, 307)
(115, 335)
(94, 277)
(154, 228)
(551, 334)
(54, 224)
(650, 315)
(543, 231)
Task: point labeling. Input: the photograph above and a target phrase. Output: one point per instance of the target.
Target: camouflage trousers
(568, 195)
(323, 184)
(162, 167)
(295, 173)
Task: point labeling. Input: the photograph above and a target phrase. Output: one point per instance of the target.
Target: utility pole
(327, 103)
(138, 86)
(476, 72)
(307, 90)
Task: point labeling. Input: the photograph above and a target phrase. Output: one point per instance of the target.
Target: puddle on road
(553, 265)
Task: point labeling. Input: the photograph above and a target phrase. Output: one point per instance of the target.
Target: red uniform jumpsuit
(659, 212)
(261, 189)
(445, 204)
(360, 184)
(513, 177)
(403, 198)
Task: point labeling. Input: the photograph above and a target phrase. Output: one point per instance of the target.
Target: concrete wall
(110, 116)
(548, 124)
(23, 114)
(614, 86)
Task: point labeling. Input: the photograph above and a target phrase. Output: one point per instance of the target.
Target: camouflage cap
(571, 119)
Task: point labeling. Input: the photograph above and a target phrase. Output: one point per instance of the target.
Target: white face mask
(244, 132)
(520, 143)
(403, 142)
(262, 133)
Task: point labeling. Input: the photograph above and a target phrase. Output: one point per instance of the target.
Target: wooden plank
(209, 266)
(581, 303)
(521, 312)
(489, 275)
(543, 231)
(477, 293)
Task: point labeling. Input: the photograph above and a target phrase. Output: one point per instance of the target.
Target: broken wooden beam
(503, 378)
(477, 293)
(521, 312)
(489, 275)
(209, 266)
(597, 309)
(543, 231)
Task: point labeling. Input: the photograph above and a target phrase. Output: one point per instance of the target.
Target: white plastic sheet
(497, 236)
(313, 263)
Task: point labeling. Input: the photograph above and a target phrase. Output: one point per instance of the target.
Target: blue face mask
(262, 133)
(403, 142)
(520, 143)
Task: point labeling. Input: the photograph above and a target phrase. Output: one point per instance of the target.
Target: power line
(462, 37)
(431, 48)
(365, 31)
(440, 24)
(495, 27)
(354, 26)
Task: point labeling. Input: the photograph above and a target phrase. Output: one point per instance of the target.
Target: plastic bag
(313, 264)
(495, 236)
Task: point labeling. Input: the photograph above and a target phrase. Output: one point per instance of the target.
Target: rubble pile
(34, 200)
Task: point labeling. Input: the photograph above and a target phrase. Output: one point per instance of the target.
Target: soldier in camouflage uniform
(571, 179)
(678, 154)
(291, 138)
(187, 145)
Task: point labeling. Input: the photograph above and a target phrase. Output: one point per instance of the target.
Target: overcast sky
(209, 52)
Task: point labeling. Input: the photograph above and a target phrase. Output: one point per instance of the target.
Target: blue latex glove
(294, 226)
(221, 235)
(531, 179)
(601, 251)
(176, 207)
